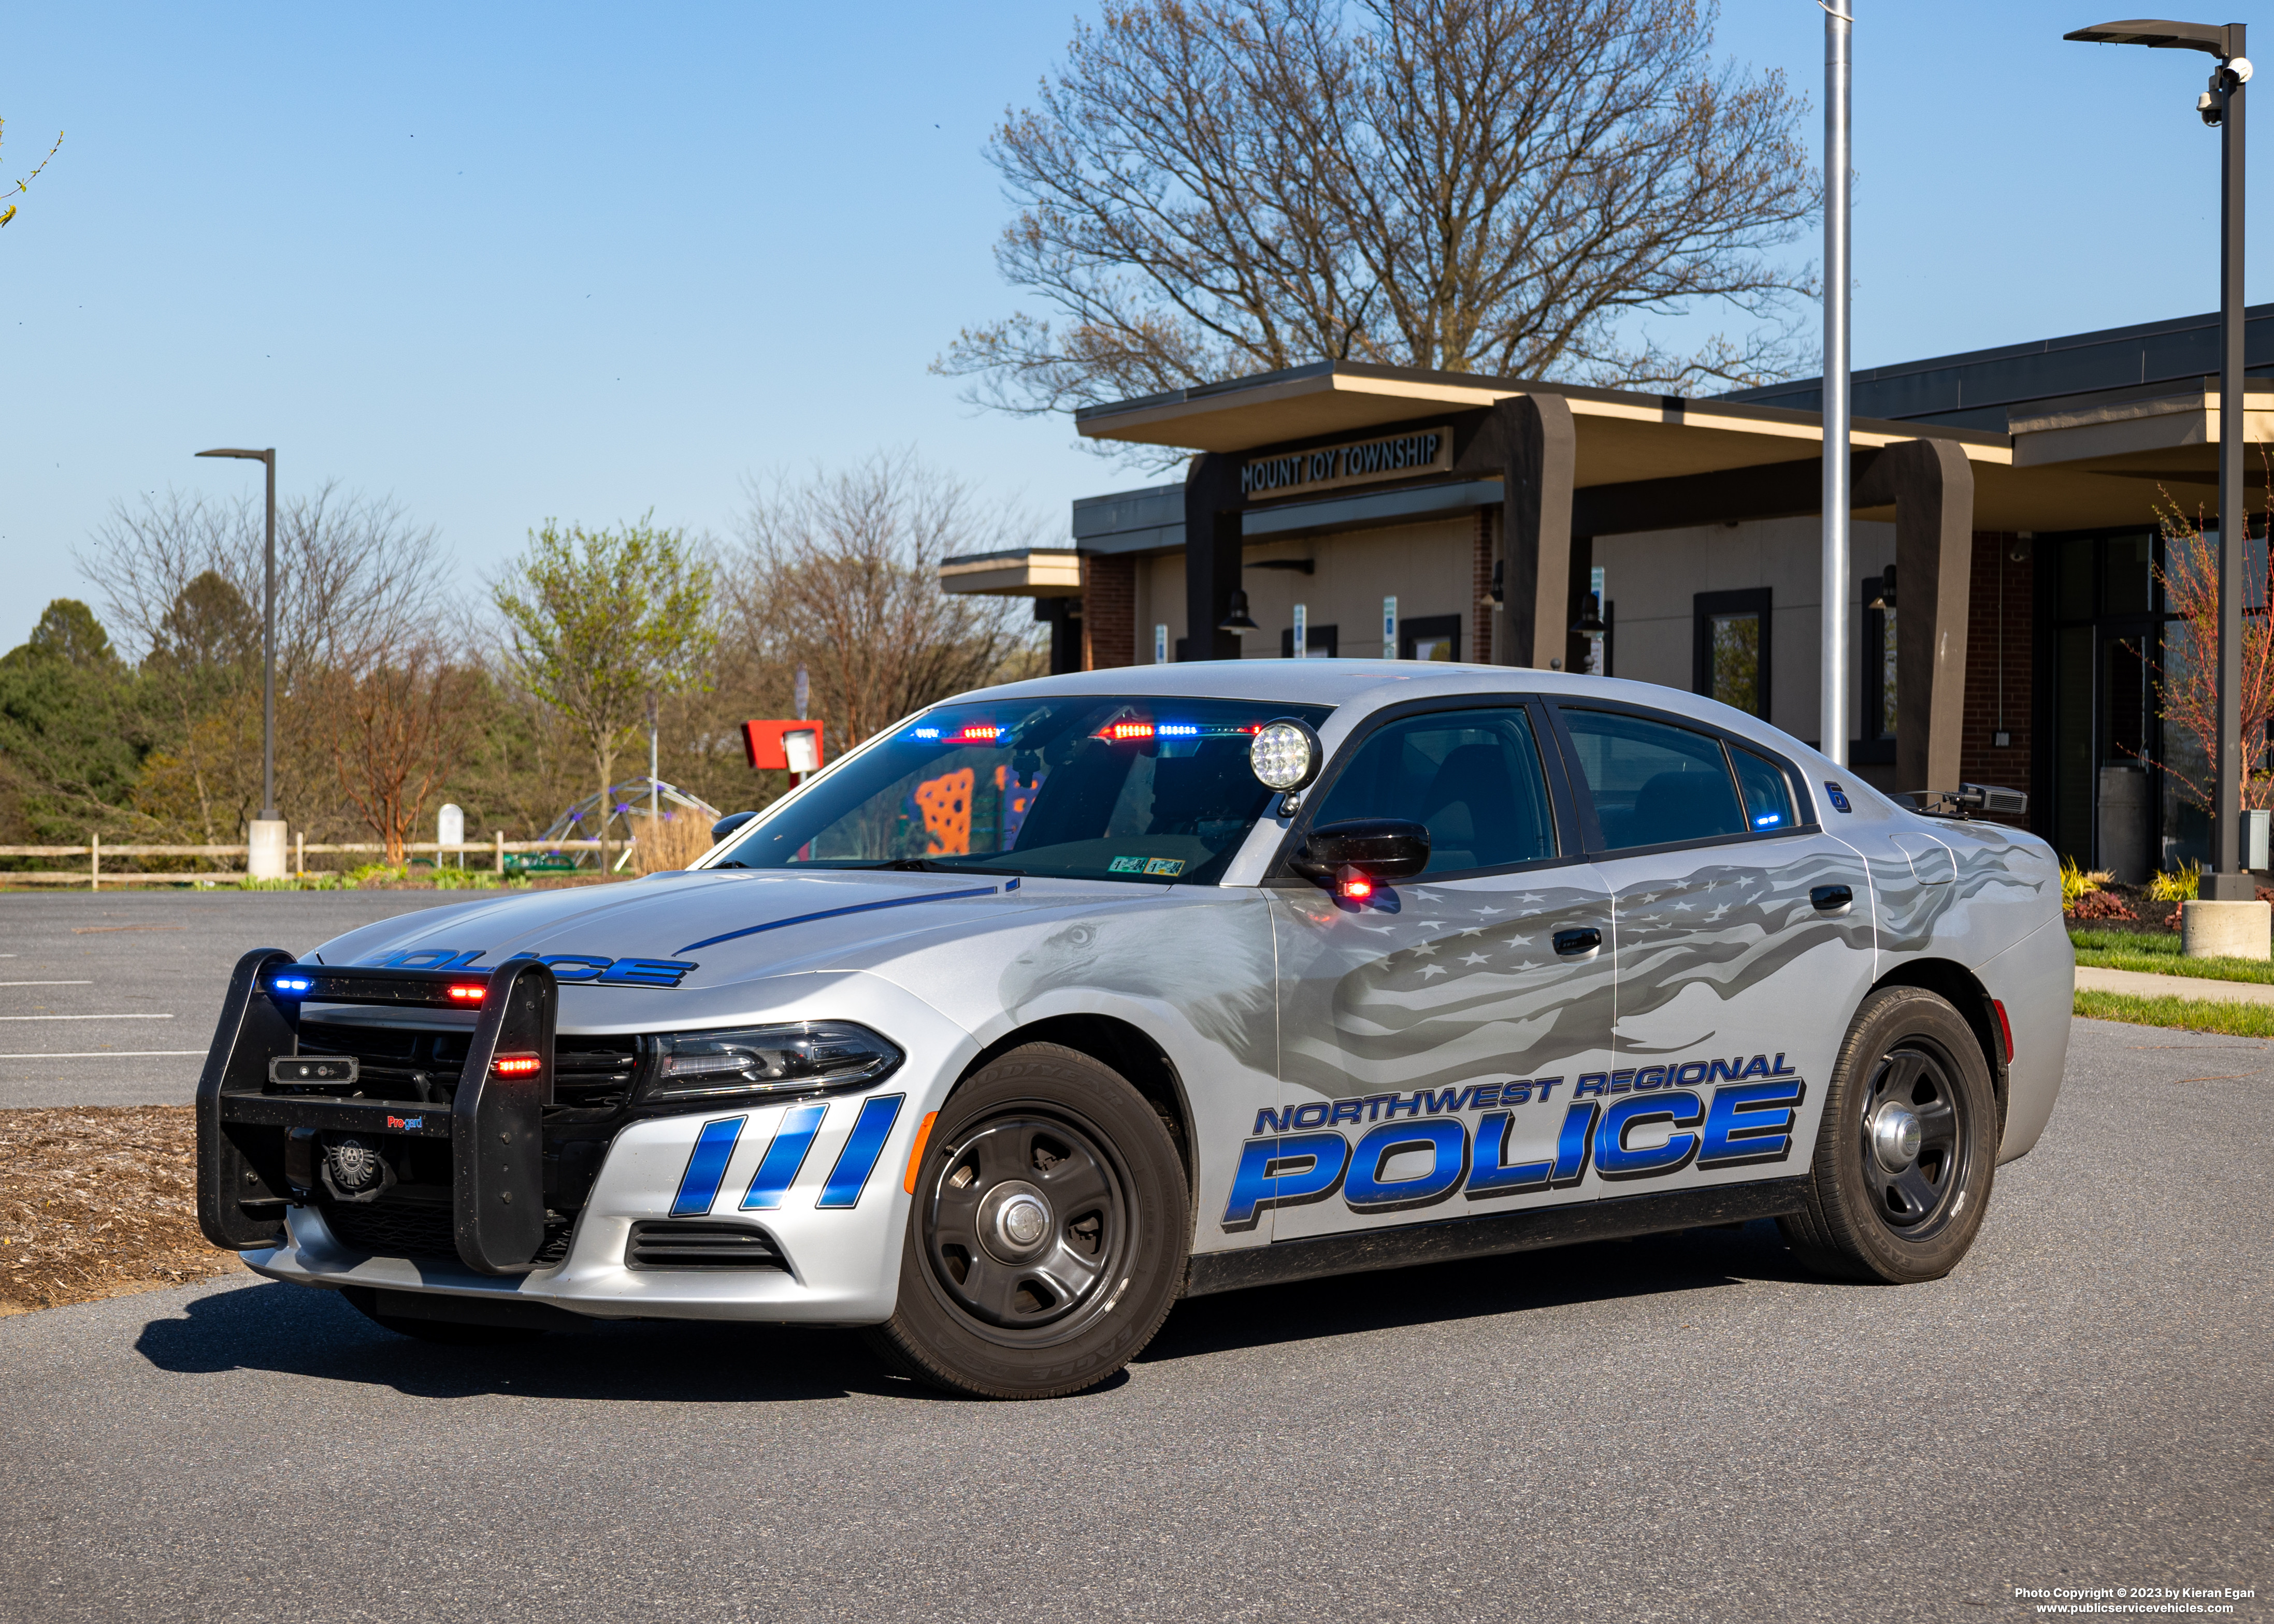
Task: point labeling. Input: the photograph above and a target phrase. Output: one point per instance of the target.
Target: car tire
(1048, 1234)
(450, 1333)
(1906, 1153)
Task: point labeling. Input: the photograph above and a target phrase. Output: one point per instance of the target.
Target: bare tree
(842, 575)
(1215, 188)
(181, 579)
(400, 725)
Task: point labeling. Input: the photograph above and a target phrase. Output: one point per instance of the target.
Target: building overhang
(1021, 572)
(1623, 435)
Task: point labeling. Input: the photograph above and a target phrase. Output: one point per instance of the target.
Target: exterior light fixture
(1590, 623)
(1236, 618)
(1883, 596)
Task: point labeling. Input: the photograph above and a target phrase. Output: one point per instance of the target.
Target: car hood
(710, 928)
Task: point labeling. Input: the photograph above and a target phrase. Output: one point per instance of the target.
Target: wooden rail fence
(95, 850)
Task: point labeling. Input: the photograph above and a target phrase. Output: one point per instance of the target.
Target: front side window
(1473, 778)
(1653, 784)
(1137, 789)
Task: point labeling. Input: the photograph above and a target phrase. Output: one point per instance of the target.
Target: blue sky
(509, 263)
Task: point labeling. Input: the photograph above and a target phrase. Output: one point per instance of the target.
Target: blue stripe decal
(706, 1168)
(778, 1168)
(864, 907)
(858, 1159)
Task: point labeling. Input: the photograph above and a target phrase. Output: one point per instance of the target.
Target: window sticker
(1170, 866)
(1126, 865)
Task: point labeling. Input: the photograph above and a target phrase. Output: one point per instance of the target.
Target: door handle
(1585, 939)
(1826, 897)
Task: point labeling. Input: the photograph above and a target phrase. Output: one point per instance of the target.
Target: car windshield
(1152, 790)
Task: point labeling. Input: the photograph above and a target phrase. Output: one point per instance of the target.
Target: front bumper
(821, 1179)
(839, 1264)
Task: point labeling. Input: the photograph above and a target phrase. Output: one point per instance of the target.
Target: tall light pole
(264, 855)
(2220, 107)
(1831, 682)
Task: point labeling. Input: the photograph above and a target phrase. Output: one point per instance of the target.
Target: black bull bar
(251, 1141)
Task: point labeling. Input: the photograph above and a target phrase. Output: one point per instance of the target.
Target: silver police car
(1063, 1000)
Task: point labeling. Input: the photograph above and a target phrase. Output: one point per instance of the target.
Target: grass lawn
(2159, 954)
(2238, 1020)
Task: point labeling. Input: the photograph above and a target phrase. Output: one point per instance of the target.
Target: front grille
(400, 1225)
(413, 1064)
(681, 1245)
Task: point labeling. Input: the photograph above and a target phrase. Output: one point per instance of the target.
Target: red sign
(770, 744)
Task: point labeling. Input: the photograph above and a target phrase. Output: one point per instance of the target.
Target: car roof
(1361, 686)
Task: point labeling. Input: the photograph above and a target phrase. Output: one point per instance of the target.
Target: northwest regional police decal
(1643, 1123)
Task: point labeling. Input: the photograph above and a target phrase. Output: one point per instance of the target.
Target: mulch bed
(98, 1201)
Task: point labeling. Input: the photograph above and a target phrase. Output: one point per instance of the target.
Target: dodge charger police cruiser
(1063, 1000)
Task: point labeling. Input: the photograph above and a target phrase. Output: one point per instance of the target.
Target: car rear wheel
(1048, 1236)
(1906, 1154)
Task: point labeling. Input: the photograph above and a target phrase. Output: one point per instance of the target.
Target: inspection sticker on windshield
(1126, 865)
(1164, 865)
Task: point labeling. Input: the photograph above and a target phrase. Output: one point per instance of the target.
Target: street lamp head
(229, 451)
(2223, 41)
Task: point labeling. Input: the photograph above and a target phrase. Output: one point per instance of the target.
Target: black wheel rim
(1915, 1146)
(1027, 1226)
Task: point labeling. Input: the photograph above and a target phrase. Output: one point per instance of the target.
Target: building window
(1730, 648)
(1428, 637)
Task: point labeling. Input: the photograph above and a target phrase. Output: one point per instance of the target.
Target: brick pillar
(1109, 613)
(1480, 556)
(1994, 567)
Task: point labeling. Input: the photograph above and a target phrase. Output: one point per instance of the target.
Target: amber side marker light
(517, 1065)
(916, 1150)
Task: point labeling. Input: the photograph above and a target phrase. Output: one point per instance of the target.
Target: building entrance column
(1932, 485)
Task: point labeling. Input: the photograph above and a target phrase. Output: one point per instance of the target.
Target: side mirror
(729, 824)
(1380, 848)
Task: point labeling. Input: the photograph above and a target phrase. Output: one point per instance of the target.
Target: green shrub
(377, 874)
(2184, 886)
(464, 879)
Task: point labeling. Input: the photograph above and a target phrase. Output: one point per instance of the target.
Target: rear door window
(1653, 783)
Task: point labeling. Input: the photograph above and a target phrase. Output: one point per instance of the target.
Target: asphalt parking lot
(1675, 1428)
(110, 997)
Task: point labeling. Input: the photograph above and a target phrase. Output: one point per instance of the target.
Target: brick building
(1423, 516)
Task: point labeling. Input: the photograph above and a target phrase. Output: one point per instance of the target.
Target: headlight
(808, 1056)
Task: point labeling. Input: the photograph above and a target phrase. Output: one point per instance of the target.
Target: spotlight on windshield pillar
(1236, 617)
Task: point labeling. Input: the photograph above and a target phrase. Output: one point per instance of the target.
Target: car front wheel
(1048, 1236)
(1905, 1157)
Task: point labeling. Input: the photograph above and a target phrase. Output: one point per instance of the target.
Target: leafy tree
(1213, 188)
(599, 620)
(67, 631)
(72, 737)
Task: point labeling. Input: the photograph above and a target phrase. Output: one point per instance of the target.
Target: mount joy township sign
(1360, 461)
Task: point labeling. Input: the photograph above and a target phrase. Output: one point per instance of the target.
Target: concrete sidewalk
(2141, 985)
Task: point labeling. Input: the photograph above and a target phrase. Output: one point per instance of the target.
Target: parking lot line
(110, 1053)
(135, 1017)
(46, 983)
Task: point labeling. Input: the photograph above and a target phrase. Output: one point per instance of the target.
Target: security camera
(2212, 109)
